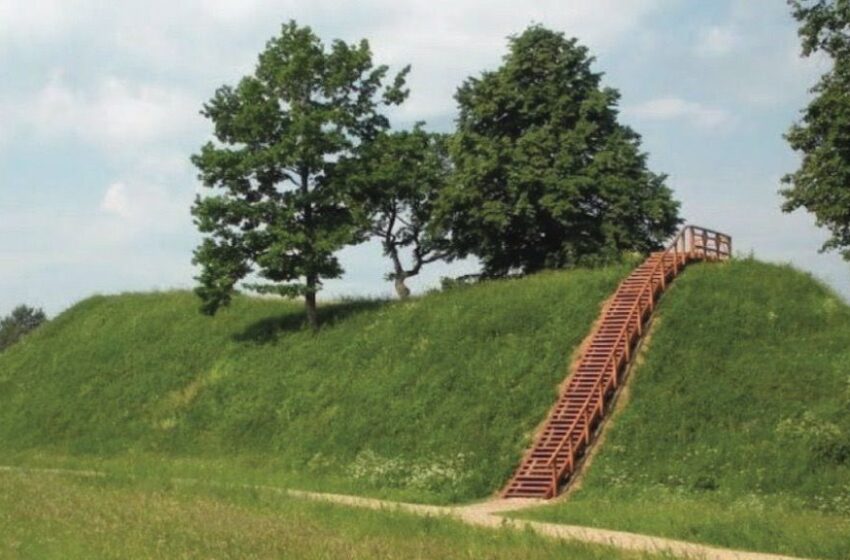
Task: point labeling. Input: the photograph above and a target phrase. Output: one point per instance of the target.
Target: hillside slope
(736, 428)
(432, 399)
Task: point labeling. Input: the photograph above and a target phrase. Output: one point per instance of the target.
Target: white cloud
(55, 106)
(675, 108)
(129, 216)
(716, 41)
(115, 201)
(230, 11)
(114, 113)
(142, 206)
(444, 40)
(37, 19)
(5, 121)
(773, 77)
(90, 251)
(445, 48)
(753, 57)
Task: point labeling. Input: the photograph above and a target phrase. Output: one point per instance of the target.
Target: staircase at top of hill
(571, 425)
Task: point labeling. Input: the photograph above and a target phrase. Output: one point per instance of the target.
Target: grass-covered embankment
(737, 426)
(432, 399)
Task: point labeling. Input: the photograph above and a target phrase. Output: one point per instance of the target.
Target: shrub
(19, 322)
(826, 440)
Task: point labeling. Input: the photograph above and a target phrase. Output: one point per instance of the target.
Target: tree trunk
(401, 289)
(311, 277)
(310, 301)
(400, 273)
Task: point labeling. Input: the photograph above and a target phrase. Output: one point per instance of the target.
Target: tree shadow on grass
(270, 329)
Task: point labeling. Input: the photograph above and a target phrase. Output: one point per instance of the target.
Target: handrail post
(627, 344)
(553, 489)
(639, 320)
(676, 257)
(615, 369)
(651, 295)
(601, 399)
(690, 242)
(680, 244)
(586, 427)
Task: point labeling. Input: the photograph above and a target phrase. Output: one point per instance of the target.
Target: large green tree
(821, 185)
(398, 181)
(279, 208)
(545, 176)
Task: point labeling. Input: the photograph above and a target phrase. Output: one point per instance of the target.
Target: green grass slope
(432, 399)
(737, 426)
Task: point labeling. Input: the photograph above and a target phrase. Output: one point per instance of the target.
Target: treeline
(539, 173)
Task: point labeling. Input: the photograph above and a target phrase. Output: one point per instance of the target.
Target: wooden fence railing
(571, 423)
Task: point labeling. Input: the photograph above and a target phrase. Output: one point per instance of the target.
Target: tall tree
(821, 185)
(21, 321)
(545, 176)
(279, 205)
(401, 176)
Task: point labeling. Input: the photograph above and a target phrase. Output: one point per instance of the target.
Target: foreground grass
(432, 399)
(51, 517)
(737, 430)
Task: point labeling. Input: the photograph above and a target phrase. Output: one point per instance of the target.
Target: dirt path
(488, 514)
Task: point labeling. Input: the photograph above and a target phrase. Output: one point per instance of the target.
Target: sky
(99, 114)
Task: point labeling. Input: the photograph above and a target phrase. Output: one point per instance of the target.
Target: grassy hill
(432, 399)
(736, 430)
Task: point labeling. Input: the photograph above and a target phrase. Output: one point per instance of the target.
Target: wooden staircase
(572, 423)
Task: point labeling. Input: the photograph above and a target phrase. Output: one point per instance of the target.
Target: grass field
(44, 517)
(737, 427)
(432, 399)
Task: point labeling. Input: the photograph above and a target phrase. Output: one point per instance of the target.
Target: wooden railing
(691, 243)
(701, 243)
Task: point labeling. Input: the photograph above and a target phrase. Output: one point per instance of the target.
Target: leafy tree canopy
(821, 185)
(545, 176)
(279, 205)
